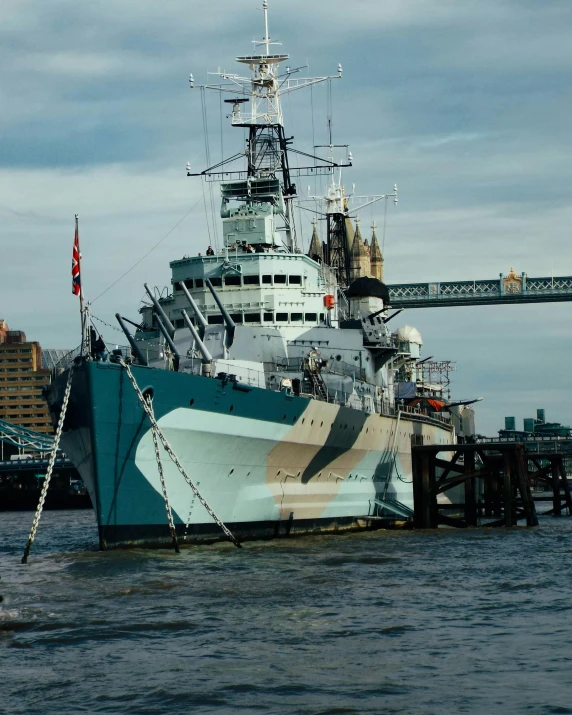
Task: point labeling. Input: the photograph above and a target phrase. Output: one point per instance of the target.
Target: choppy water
(384, 622)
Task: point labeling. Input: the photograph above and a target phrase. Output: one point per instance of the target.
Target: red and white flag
(76, 257)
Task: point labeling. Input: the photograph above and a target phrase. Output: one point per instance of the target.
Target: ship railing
(334, 367)
(65, 361)
(532, 438)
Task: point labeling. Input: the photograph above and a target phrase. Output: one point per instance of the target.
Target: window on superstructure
(322, 317)
(295, 280)
(279, 279)
(232, 281)
(251, 280)
(268, 317)
(252, 318)
(237, 317)
(266, 279)
(199, 283)
(214, 320)
(296, 317)
(311, 317)
(216, 282)
(281, 317)
(189, 283)
(177, 286)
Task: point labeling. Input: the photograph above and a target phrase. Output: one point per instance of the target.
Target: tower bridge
(509, 289)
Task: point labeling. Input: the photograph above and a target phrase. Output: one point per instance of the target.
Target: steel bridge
(24, 438)
(509, 289)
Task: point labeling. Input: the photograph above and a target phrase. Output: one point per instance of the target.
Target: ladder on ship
(315, 380)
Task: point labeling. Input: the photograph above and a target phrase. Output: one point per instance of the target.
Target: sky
(464, 105)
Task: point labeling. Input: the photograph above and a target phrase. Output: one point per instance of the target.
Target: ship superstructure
(271, 372)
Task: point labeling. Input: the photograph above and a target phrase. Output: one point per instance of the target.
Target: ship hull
(268, 463)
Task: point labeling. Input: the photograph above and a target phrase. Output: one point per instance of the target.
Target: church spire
(376, 257)
(360, 265)
(316, 252)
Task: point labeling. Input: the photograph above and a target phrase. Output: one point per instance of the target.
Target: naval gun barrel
(160, 312)
(230, 324)
(137, 352)
(199, 316)
(168, 339)
(207, 357)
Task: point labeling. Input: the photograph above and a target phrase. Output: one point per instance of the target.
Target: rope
(163, 485)
(48, 476)
(143, 257)
(173, 456)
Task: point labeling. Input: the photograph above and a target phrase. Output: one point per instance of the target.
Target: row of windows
(267, 317)
(12, 360)
(16, 351)
(239, 280)
(43, 378)
(37, 406)
(25, 422)
(18, 397)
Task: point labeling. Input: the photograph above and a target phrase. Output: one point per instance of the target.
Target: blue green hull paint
(103, 402)
(107, 436)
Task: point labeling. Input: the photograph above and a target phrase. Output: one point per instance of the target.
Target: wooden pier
(484, 485)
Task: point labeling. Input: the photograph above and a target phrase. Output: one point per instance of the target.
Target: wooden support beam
(507, 490)
(470, 490)
(525, 493)
(566, 486)
(556, 502)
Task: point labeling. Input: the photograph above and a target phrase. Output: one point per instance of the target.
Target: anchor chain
(51, 463)
(174, 458)
(163, 485)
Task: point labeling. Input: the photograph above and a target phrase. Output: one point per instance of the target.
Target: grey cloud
(465, 105)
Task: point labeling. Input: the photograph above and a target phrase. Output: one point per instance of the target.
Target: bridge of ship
(509, 289)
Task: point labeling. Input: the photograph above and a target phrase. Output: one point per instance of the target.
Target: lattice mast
(267, 186)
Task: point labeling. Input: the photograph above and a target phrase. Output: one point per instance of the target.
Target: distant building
(22, 378)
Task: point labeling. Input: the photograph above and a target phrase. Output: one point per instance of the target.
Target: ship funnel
(136, 351)
(229, 322)
(198, 315)
(160, 312)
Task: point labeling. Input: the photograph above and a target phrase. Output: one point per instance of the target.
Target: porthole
(311, 423)
(231, 472)
(231, 408)
(283, 418)
(192, 402)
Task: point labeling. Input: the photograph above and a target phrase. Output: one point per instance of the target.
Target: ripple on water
(374, 622)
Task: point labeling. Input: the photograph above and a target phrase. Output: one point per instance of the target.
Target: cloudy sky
(465, 105)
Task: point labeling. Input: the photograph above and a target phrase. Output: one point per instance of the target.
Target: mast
(267, 189)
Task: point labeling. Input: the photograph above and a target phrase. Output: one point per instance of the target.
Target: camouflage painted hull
(268, 463)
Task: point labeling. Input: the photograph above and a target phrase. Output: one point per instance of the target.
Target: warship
(273, 373)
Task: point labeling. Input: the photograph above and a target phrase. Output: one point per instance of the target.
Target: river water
(467, 621)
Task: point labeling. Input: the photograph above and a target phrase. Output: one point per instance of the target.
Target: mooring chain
(162, 478)
(51, 463)
(173, 456)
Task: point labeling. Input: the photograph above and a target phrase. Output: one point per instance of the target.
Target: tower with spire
(316, 252)
(360, 263)
(376, 259)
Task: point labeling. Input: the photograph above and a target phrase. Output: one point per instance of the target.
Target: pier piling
(484, 485)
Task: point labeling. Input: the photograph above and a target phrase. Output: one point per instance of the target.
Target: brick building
(21, 381)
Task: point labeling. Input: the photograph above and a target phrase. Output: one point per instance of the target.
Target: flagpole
(81, 309)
